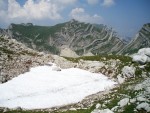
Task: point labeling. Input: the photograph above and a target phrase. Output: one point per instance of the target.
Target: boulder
(120, 79)
(142, 56)
(123, 102)
(128, 71)
(144, 106)
(144, 51)
(142, 59)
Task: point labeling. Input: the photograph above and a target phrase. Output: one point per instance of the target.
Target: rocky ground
(131, 95)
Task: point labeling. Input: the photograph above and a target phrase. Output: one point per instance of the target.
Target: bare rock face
(68, 53)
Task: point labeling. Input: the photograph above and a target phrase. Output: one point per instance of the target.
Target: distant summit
(141, 40)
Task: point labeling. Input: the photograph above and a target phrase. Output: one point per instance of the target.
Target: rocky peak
(141, 40)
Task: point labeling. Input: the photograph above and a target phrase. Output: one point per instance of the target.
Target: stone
(120, 79)
(128, 71)
(98, 106)
(55, 68)
(144, 106)
(123, 102)
(102, 111)
(140, 98)
(132, 100)
(5, 110)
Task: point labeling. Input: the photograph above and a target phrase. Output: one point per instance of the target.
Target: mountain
(80, 37)
(141, 40)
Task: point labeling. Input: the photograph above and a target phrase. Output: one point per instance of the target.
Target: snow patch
(44, 88)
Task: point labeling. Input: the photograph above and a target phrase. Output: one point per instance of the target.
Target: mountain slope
(141, 40)
(16, 58)
(79, 37)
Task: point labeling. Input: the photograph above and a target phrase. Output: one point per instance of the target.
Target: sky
(126, 17)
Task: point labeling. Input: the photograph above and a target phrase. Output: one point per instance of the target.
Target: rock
(102, 111)
(120, 79)
(96, 111)
(123, 102)
(142, 59)
(144, 106)
(88, 54)
(72, 109)
(18, 109)
(144, 51)
(5, 110)
(114, 108)
(98, 106)
(128, 71)
(68, 53)
(132, 100)
(55, 68)
(142, 56)
(141, 99)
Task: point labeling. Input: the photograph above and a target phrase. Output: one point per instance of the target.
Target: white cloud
(32, 10)
(66, 2)
(108, 3)
(92, 2)
(80, 15)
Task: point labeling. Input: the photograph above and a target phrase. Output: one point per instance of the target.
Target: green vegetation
(147, 67)
(39, 35)
(124, 59)
(22, 111)
(129, 108)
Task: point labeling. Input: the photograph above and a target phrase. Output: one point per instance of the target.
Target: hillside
(30, 80)
(16, 58)
(78, 36)
(141, 40)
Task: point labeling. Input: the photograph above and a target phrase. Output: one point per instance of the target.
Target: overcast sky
(124, 16)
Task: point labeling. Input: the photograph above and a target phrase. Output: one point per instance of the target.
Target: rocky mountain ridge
(141, 40)
(80, 37)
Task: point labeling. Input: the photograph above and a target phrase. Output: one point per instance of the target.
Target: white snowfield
(44, 87)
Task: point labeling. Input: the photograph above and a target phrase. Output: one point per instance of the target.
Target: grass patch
(129, 108)
(124, 59)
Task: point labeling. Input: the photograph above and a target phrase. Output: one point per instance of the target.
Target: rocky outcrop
(16, 58)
